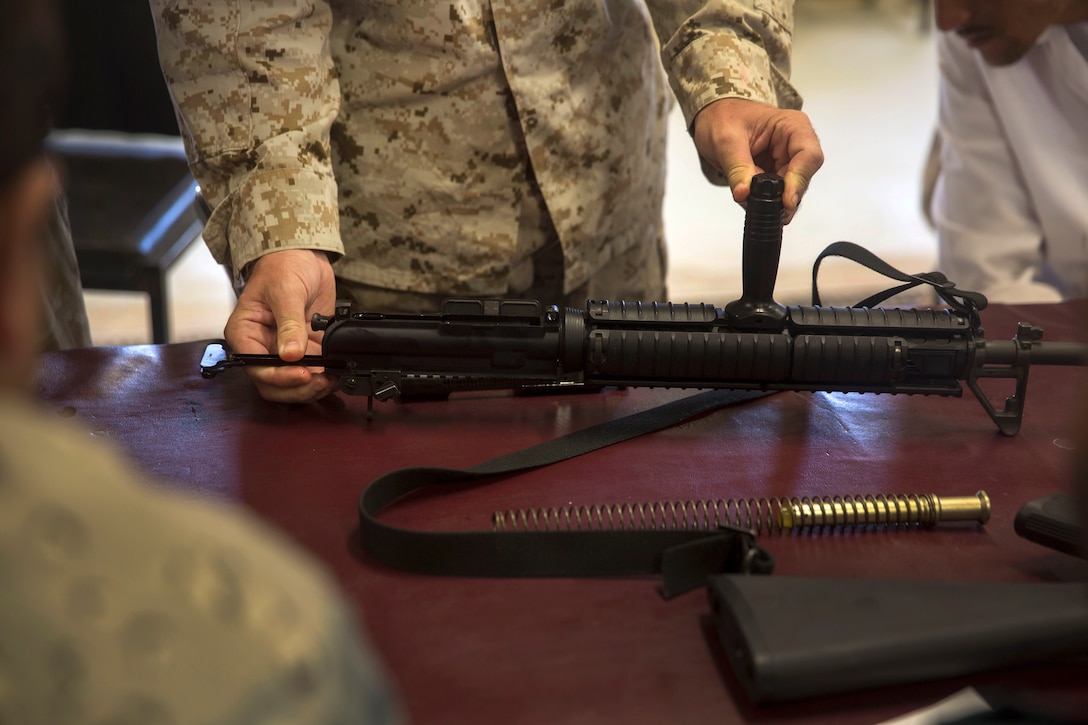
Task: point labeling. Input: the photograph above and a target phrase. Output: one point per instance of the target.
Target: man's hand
(742, 138)
(273, 316)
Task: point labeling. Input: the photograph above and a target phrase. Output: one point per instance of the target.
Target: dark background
(115, 82)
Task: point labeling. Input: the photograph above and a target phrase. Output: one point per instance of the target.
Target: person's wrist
(278, 256)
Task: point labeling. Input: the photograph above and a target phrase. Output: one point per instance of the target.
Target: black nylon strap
(561, 553)
(969, 303)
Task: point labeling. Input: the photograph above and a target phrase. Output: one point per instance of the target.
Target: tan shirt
(123, 603)
(409, 137)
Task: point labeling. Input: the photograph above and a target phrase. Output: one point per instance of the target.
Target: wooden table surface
(465, 650)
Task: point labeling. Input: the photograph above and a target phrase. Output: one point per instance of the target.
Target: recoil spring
(762, 515)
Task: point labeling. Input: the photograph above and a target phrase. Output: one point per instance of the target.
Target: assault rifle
(753, 343)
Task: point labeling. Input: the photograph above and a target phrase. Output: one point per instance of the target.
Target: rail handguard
(752, 343)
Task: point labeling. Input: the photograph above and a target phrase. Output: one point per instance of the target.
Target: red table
(565, 650)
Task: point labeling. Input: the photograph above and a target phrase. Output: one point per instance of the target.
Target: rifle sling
(967, 302)
(685, 558)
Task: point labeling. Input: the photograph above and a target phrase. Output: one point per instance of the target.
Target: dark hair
(31, 80)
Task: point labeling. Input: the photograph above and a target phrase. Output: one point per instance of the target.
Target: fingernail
(290, 348)
(796, 200)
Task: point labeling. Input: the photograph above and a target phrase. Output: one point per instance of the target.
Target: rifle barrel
(1009, 352)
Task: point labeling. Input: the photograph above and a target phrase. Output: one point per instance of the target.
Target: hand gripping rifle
(753, 343)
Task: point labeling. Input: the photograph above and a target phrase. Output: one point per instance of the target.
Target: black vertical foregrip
(756, 309)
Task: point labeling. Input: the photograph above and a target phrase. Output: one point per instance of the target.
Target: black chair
(130, 194)
(132, 212)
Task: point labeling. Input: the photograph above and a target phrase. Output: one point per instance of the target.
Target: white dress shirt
(1011, 202)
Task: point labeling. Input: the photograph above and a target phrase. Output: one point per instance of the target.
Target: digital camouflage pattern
(124, 602)
(412, 138)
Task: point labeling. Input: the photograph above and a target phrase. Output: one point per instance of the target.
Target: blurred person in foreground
(1010, 200)
(121, 603)
(395, 152)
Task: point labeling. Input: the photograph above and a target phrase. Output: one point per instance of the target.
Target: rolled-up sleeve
(718, 49)
(256, 93)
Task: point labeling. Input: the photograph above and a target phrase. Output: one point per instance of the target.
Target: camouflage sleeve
(715, 49)
(256, 92)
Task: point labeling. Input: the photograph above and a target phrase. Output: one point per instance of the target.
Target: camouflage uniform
(439, 147)
(125, 603)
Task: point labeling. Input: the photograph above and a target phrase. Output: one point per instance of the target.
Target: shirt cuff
(721, 66)
(273, 210)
